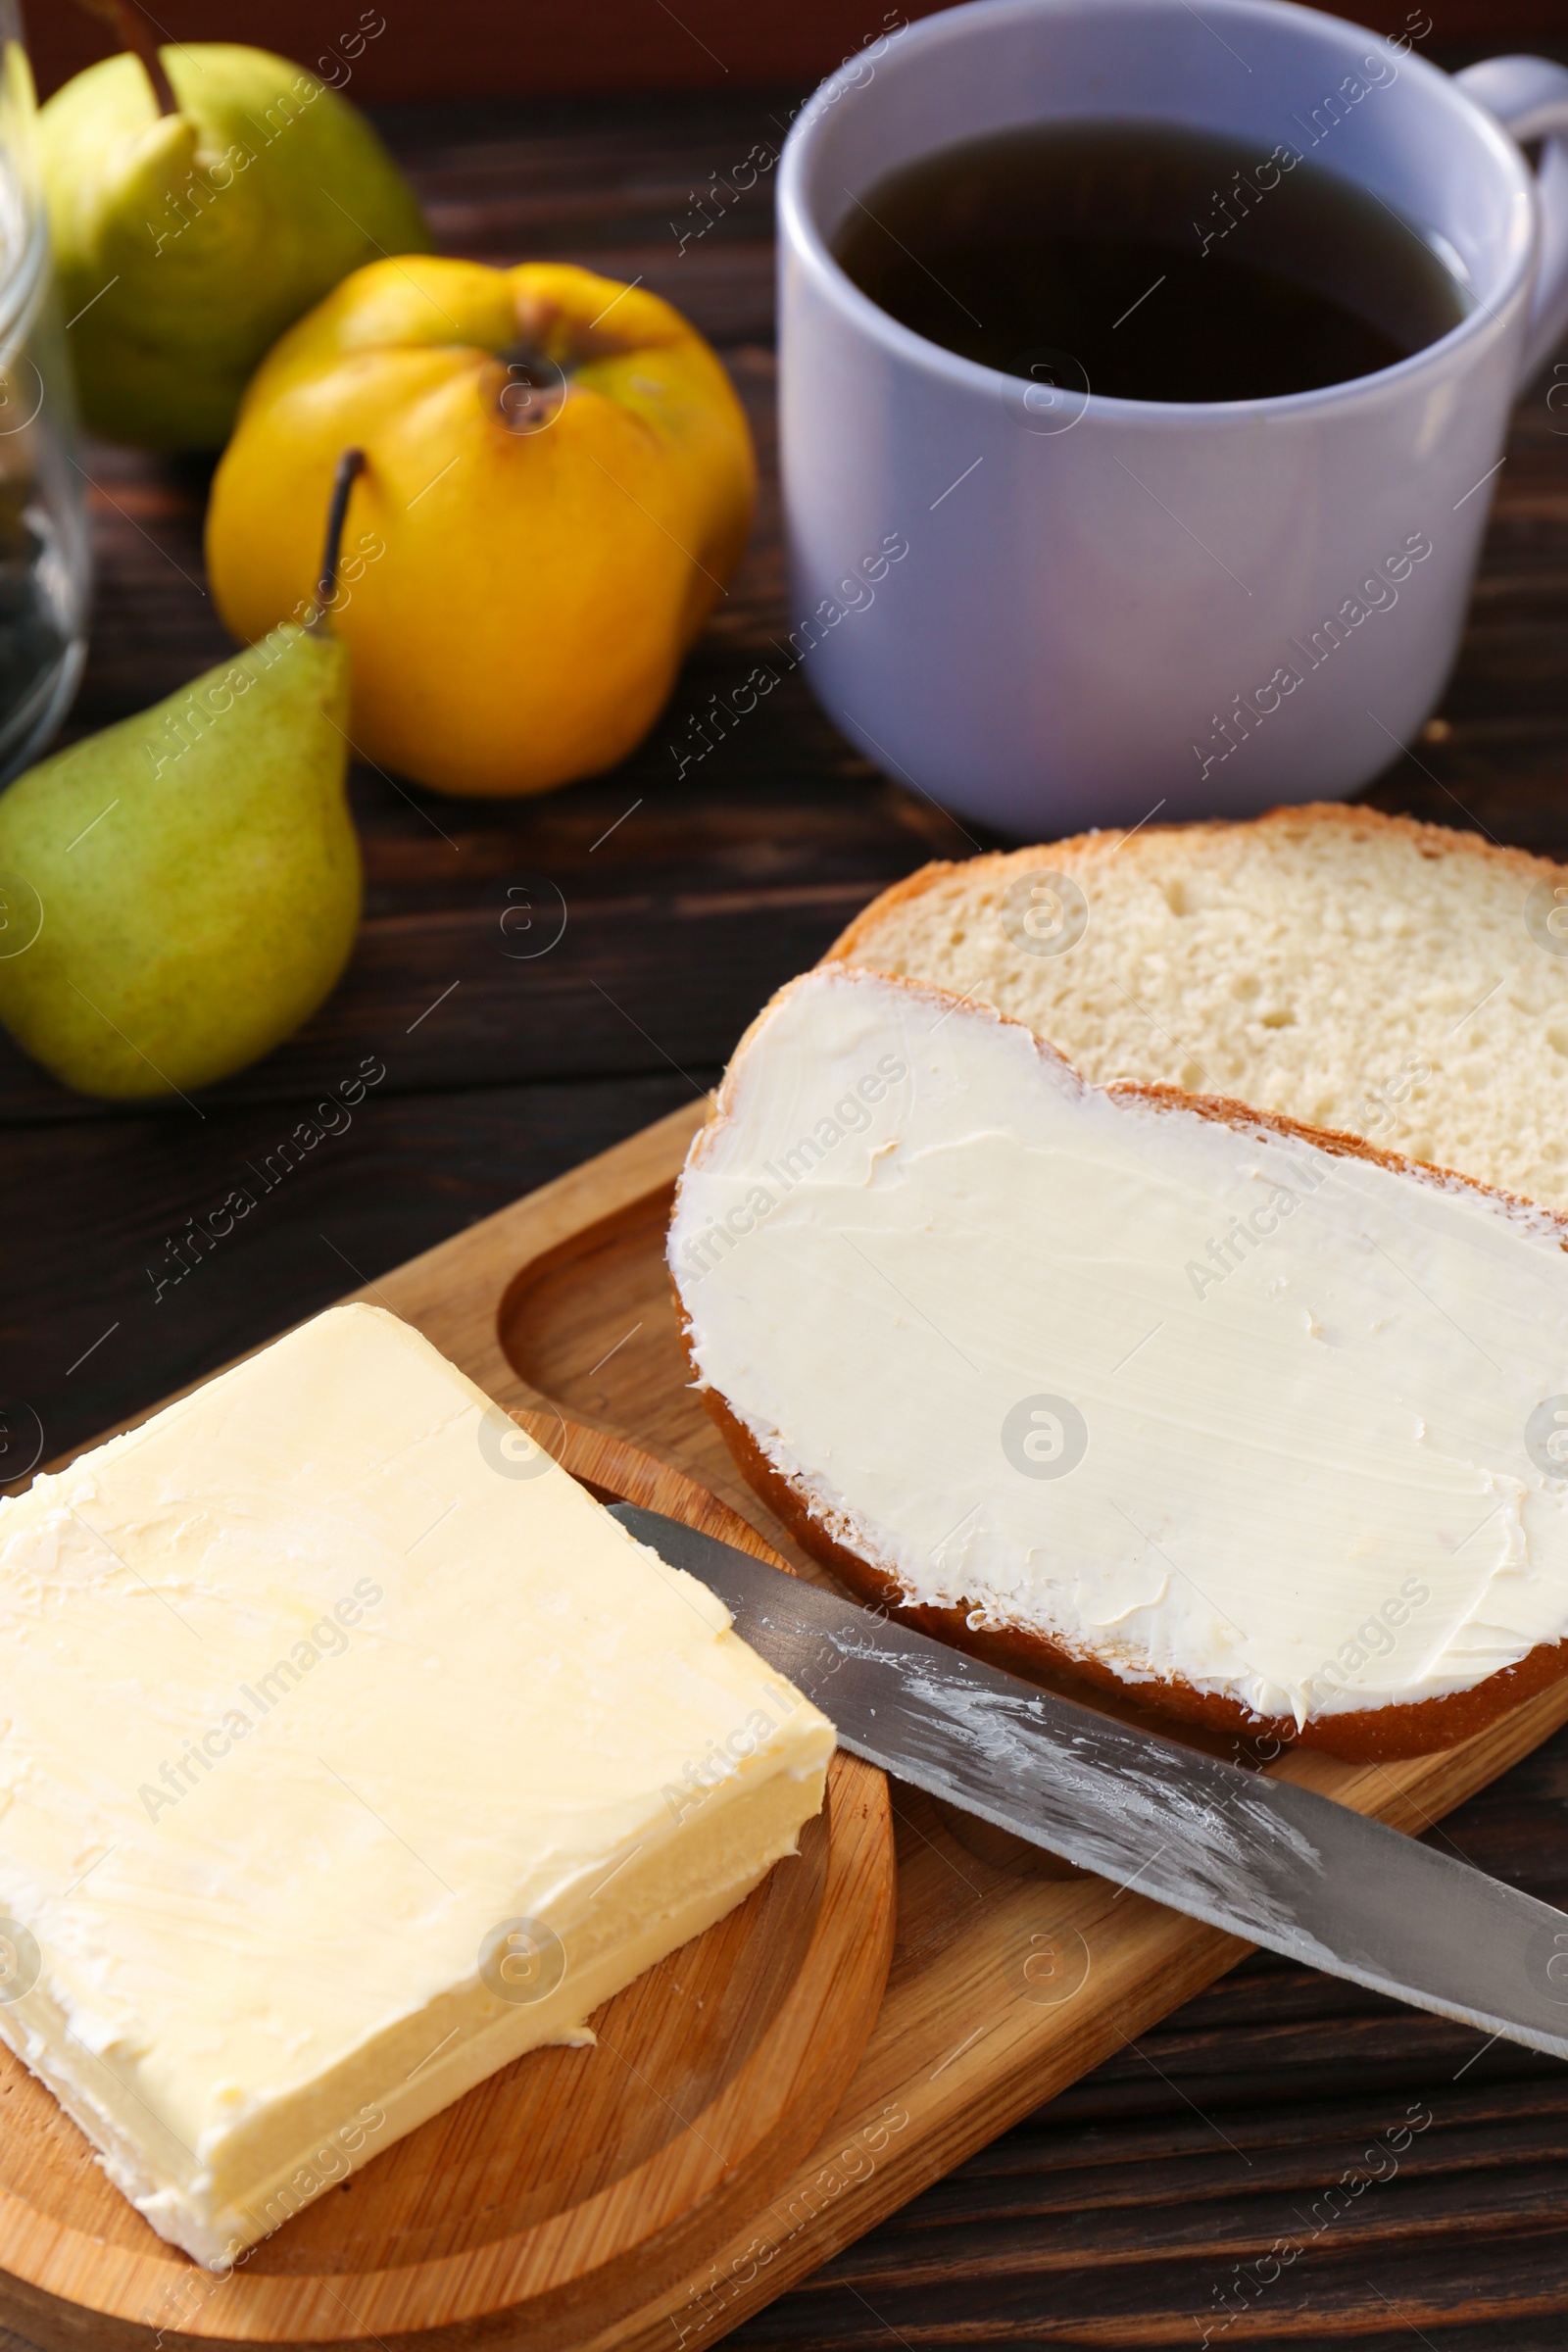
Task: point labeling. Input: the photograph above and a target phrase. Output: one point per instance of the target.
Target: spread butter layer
(1203, 1403)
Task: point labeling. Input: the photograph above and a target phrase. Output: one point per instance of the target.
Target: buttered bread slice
(1256, 1422)
(350, 1750)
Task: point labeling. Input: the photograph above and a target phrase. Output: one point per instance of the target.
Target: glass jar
(45, 562)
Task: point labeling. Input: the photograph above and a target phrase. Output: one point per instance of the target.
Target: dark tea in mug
(1142, 261)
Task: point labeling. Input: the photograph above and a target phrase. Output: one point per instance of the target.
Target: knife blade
(1260, 1857)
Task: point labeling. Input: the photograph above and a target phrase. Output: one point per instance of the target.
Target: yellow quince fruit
(559, 483)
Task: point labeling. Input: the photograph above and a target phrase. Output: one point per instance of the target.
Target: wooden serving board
(558, 2194)
(1011, 1975)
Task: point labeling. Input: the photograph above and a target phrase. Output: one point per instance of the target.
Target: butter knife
(1258, 1858)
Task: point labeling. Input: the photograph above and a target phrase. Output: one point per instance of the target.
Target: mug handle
(1529, 96)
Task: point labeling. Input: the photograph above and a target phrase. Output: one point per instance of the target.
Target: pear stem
(137, 37)
(350, 466)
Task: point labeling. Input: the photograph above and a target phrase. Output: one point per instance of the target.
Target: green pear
(187, 242)
(181, 892)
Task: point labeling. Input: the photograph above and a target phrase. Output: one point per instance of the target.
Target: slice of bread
(1256, 1422)
(1392, 980)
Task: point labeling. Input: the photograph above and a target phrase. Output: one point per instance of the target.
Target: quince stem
(350, 466)
(127, 20)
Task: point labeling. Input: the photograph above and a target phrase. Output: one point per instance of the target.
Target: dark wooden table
(1141, 2208)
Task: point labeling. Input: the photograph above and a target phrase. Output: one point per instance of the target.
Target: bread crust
(1366, 1735)
(1084, 847)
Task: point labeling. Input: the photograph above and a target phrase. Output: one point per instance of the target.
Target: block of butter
(350, 1750)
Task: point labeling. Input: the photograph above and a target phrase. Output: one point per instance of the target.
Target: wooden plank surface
(1119, 2213)
(531, 47)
